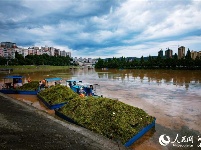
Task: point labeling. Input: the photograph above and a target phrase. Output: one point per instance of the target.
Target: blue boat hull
(140, 134)
(61, 115)
(55, 106)
(8, 91)
(28, 92)
(12, 91)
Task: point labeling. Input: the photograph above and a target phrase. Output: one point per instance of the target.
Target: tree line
(44, 59)
(151, 63)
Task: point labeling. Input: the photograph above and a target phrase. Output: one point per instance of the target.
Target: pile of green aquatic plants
(57, 94)
(31, 86)
(111, 118)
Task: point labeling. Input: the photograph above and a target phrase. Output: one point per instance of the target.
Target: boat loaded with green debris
(13, 85)
(111, 118)
(56, 96)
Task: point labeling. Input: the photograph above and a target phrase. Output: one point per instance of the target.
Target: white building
(68, 54)
(24, 52)
(63, 53)
(89, 60)
(51, 49)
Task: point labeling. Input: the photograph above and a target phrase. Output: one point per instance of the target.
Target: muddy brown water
(172, 96)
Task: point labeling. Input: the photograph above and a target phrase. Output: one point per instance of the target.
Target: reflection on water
(175, 77)
(172, 96)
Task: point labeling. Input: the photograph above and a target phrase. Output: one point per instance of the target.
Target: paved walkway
(25, 127)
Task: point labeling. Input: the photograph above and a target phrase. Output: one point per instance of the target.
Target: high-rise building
(195, 54)
(57, 52)
(68, 54)
(181, 52)
(168, 53)
(63, 53)
(160, 53)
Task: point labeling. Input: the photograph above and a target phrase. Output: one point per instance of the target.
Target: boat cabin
(47, 82)
(12, 81)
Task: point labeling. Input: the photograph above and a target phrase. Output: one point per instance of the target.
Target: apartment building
(195, 54)
(168, 53)
(1, 52)
(181, 52)
(160, 53)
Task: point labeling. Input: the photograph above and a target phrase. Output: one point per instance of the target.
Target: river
(172, 96)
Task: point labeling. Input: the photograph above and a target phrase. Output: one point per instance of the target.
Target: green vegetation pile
(111, 118)
(31, 86)
(57, 94)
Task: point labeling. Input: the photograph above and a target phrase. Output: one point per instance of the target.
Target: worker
(82, 95)
(29, 79)
(81, 92)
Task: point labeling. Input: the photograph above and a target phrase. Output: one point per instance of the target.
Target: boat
(46, 83)
(73, 84)
(127, 143)
(78, 86)
(10, 87)
(49, 105)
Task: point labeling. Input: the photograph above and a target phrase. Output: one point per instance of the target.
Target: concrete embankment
(24, 127)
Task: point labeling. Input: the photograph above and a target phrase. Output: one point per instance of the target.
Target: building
(25, 52)
(75, 59)
(8, 45)
(168, 53)
(30, 51)
(63, 53)
(160, 53)
(80, 59)
(89, 60)
(181, 52)
(57, 52)
(1, 52)
(51, 49)
(195, 54)
(68, 54)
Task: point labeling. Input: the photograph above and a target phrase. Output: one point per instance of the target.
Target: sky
(103, 28)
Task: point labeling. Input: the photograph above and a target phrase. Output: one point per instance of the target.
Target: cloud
(101, 27)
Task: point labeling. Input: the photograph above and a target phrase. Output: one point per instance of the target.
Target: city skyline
(103, 28)
(11, 47)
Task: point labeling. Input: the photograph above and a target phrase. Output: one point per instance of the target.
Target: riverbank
(33, 68)
(24, 127)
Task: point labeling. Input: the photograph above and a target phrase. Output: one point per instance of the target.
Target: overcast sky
(102, 28)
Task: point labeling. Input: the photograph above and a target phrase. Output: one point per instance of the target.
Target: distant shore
(34, 68)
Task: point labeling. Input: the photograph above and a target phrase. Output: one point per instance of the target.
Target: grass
(33, 68)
